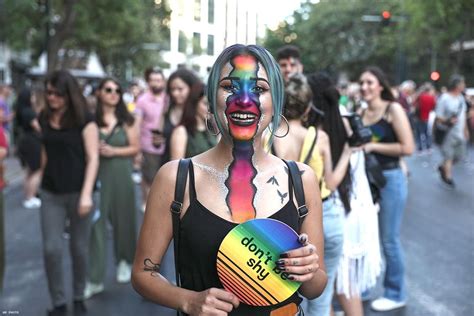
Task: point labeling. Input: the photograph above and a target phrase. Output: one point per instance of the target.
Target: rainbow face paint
(243, 113)
(243, 105)
(246, 262)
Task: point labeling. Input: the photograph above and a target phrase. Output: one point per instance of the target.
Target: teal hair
(277, 87)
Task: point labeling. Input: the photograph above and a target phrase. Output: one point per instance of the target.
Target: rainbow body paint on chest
(243, 114)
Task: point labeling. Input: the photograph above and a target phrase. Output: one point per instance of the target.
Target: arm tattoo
(154, 268)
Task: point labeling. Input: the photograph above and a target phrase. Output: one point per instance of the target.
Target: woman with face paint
(235, 181)
(392, 138)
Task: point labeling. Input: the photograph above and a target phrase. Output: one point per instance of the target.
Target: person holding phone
(245, 93)
(150, 110)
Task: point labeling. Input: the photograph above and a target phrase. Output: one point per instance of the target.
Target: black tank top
(383, 132)
(201, 234)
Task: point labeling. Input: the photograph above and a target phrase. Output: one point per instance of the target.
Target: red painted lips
(243, 123)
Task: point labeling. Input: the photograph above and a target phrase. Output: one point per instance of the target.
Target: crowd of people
(82, 160)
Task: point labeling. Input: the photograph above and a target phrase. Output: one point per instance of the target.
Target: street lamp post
(385, 18)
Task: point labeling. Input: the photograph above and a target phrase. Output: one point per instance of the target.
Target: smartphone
(156, 131)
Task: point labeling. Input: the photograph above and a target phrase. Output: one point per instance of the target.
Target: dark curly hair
(298, 96)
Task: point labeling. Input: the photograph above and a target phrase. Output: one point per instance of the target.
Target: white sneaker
(37, 201)
(93, 289)
(384, 304)
(124, 272)
(32, 203)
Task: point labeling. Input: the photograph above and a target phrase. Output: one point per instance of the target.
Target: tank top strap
(387, 112)
(290, 184)
(192, 185)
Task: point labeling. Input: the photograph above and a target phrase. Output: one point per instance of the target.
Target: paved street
(438, 237)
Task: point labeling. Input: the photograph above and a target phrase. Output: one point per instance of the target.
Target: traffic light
(386, 15)
(435, 75)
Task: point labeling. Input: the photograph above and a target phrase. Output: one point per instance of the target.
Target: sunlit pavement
(437, 235)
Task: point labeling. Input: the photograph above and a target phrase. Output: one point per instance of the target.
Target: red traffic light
(386, 15)
(435, 76)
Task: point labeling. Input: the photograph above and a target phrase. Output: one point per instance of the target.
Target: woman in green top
(191, 137)
(119, 144)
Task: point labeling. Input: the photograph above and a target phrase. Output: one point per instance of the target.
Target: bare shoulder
(277, 164)
(396, 109)
(396, 112)
(168, 169)
(180, 131)
(307, 174)
(166, 176)
(322, 135)
(323, 140)
(91, 127)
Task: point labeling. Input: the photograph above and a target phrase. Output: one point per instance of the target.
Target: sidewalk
(14, 174)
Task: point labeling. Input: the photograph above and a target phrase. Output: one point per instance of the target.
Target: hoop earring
(287, 130)
(211, 126)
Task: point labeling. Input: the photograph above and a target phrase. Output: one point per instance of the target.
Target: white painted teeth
(243, 116)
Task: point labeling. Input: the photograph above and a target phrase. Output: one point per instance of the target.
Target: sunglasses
(110, 90)
(54, 93)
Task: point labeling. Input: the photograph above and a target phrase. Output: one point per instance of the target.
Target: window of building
(197, 44)
(182, 42)
(197, 10)
(180, 7)
(210, 45)
(210, 12)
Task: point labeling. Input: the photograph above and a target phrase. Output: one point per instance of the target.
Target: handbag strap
(298, 189)
(112, 132)
(176, 208)
(459, 108)
(310, 152)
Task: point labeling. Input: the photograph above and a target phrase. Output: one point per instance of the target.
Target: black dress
(29, 145)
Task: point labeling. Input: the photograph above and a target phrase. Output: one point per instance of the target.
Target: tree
(438, 26)
(115, 29)
(333, 37)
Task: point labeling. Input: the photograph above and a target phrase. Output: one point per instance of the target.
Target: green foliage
(334, 38)
(114, 29)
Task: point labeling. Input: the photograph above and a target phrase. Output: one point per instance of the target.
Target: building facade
(5, 57)
(201, 29)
